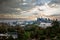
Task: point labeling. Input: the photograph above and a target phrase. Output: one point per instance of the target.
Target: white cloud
(33, 3)
(24, 0)
(24, 3)
(18, 9)
(46, 10)
(50, 11)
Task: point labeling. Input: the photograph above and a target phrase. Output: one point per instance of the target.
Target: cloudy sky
(48, 7)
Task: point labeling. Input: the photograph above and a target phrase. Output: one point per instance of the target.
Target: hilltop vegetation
(32, 32)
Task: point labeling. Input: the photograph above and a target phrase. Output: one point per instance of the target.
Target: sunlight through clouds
(17, 6)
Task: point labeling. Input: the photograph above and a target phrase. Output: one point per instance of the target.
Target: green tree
(27, 35)
(55, 23)
(20, 32)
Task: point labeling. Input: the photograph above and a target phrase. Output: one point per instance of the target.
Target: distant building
(45, 25)
(44, 22)
(23, 22)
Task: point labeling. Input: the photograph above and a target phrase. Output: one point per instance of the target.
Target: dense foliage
(30, 32)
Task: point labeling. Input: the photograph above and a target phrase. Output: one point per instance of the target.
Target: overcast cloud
(16, 6)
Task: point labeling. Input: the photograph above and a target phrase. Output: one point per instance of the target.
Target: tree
(10, 38)
(20, 32)
(27, 35)
(3, 27)
(55, 23)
